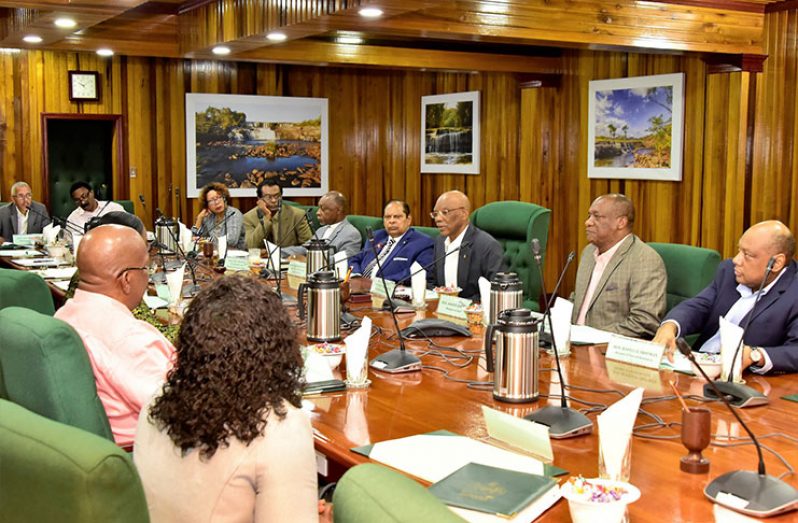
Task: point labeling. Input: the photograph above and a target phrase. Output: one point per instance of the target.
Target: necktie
(373, 263)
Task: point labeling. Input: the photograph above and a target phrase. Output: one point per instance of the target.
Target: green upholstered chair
(362, 221)
(53, 472)
(45, 368)
(314, 220)
(432, 232)
(24, 289)
(368, 493)
(514, 224)
(127, 205)
(689, 269)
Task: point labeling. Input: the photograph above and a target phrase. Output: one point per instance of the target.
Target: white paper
(63, 285)
(186, 242)
(154, 302)
(15, 253)
(589, 335)
(222, 246)
(174, 280)
(615, 430)
(730, 336)
(432, 458)
(316, 367)
(340, 261)
(561, 321)
(273, 259)
(63, 273)
(236, 253)
(484, 297)
(50, 233)
(357, 345)
(418, 284)
(39, 262)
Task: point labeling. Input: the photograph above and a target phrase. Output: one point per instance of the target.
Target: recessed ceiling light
(349, 39)
(276, 37)
(105, 52)
(370, 12)
(33, 39)
(65, 23)
(221, 50)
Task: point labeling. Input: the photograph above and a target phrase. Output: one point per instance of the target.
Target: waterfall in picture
(449, 146)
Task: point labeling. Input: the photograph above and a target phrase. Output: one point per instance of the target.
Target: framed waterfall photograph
(242, 140)
(636, 128)
(450, 133)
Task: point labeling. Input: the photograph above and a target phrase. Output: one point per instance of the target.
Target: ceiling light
(276, 37)
(349, 39)
(65, 23)
(105, 52)
(370, 12)
(33, 39)
(221, 50)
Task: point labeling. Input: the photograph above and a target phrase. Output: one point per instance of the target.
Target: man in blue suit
(397, 245)
(771, 341)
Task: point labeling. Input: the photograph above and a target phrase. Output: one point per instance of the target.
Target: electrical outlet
(133, 172)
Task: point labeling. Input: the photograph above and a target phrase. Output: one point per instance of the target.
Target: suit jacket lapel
(583, 277)
(616, 260)
(773, 294)
(464, 259)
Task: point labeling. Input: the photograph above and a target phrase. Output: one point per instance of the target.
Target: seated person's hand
(666, 335)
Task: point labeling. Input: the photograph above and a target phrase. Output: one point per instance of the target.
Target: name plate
(637, 352)
(236, 263)
(453, 306)
(518, 432)
(28, 240)
(378, 289)
(297, 268)
(633, 375)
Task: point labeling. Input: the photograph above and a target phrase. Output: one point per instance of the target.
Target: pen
(348, 274)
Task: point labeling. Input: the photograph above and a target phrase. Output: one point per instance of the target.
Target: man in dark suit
(480, 254)
(22, 215)
(281, 224)
(398, 246)
(771, 341)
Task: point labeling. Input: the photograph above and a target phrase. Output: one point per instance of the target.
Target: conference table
(438, 398)
(400, 405)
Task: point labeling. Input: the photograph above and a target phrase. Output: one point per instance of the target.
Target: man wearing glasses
(462, 253)
(87, 207)
(22, 215)
(270, 220)
(130, 358)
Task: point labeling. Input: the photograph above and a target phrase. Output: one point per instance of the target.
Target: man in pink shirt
(130, 357)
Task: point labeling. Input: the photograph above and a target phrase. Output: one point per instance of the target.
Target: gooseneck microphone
(738, 394)
(396, 360)
(752, 493)
(563, 421)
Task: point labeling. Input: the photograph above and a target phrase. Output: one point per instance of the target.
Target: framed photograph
(636, 127)
(242, 140)
(450, 133)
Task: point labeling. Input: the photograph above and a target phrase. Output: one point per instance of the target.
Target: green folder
(490, 489)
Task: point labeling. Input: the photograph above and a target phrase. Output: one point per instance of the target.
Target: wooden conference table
(396, 406)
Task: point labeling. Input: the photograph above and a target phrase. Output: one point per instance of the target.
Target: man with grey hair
(621, 281)
(22, 215)
(335, 228)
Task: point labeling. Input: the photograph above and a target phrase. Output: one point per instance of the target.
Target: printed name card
(27, 240)
(518, 432)
(236, 263)
(297, 268)
(453, 306)
(637, 352)
(378, 289)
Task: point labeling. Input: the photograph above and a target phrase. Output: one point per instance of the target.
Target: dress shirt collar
(451, 245)
(606, 256)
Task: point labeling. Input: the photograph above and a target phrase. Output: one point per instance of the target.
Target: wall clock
(84, 86)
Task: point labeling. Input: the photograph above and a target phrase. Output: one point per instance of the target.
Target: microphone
(738, 394)
(763, 495)
(30, 208)
(66, 224)
(194, 288)
(396, 360)
(563, 421)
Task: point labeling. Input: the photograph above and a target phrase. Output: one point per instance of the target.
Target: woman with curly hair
(217, 218)
(226, 439)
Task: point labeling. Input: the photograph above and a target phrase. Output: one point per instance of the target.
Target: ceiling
(462, 35)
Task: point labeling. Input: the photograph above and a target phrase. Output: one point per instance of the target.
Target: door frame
(121, 183)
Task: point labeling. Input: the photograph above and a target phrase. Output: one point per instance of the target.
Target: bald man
(621, 282)
(771, 341)
(480, 254)
(129, 357)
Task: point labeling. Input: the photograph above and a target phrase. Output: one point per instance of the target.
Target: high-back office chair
(53, 472)
(362, 222)
(45, 368)
(24, 289)
(514, 224)
(689, 269)
(314, 220)
(369, 493)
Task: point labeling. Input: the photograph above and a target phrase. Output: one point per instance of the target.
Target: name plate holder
(236, 263)
(377, 291)
(636, 352)
(453, 307)
(297, 273)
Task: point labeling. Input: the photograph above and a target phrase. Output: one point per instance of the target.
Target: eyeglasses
(444, 212)
(274, 197)
(23, 196)
(216, 200)
(84, 196)
(123, 271)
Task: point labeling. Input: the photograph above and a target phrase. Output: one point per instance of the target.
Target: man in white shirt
(22, 215)
(621, 282)
(88, 207)
(479, 253)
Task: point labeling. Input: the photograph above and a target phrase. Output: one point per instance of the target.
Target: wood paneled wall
(534, 141)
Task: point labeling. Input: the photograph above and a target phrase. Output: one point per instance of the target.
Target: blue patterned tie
(373, 263)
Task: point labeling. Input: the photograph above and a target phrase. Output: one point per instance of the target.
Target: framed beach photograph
(636, 128)
(241, 140)
(450, 133)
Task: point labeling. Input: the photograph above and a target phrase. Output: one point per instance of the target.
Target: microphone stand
(738, 394)
(563, 421)
(764, 495)
(194, 288)
(396, 360)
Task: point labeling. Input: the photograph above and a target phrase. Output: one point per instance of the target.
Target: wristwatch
(756, 356)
